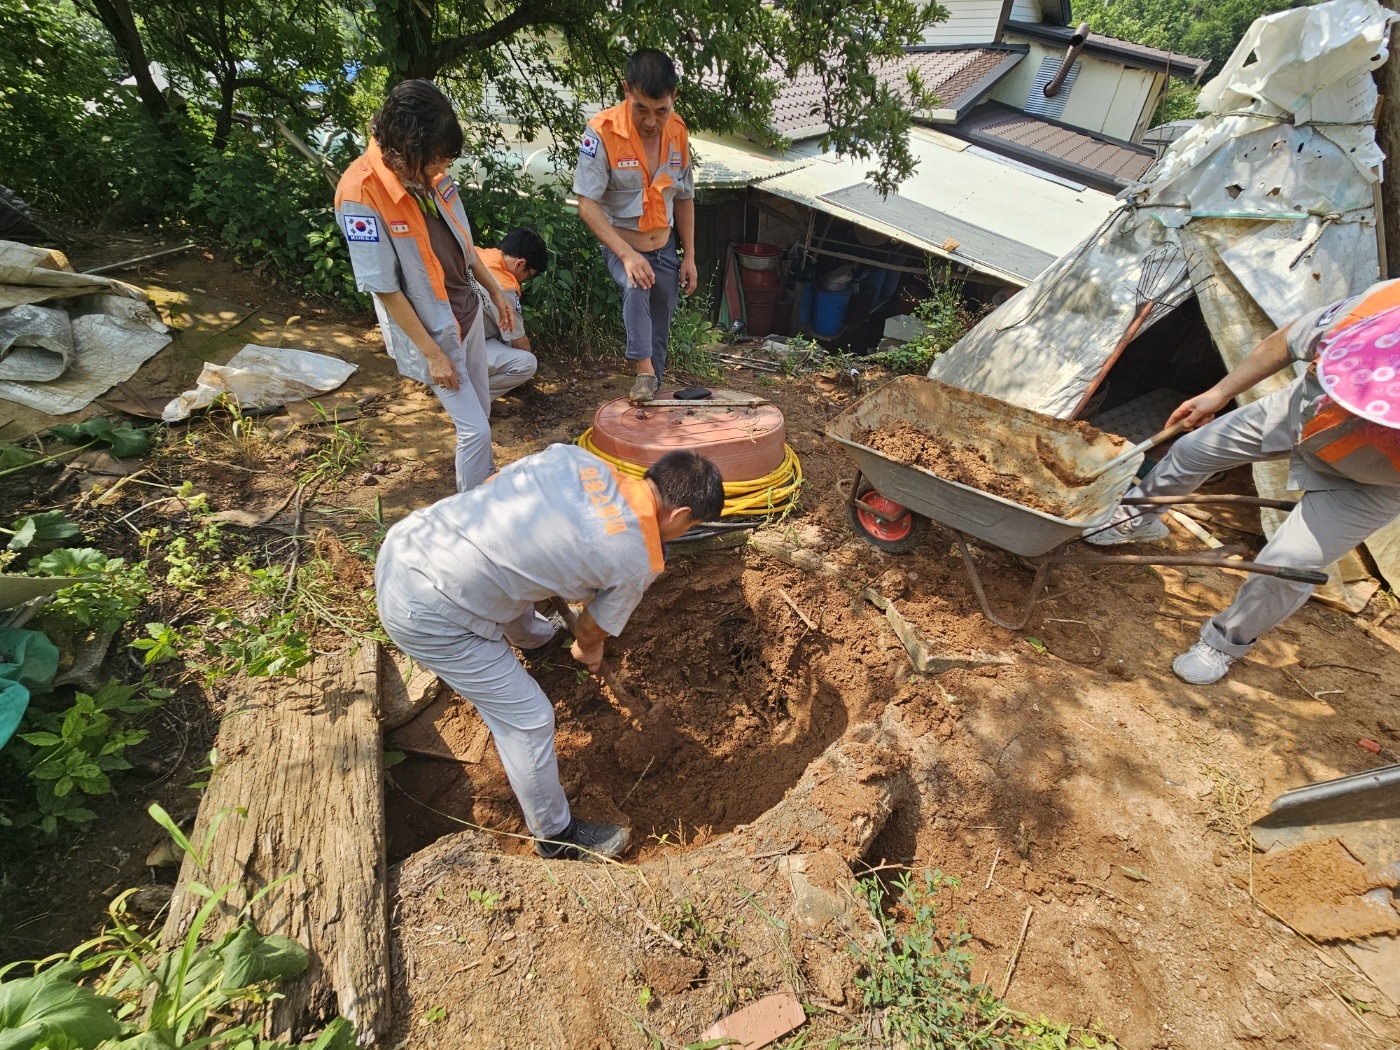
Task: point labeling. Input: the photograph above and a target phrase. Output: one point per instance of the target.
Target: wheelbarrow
(891, 501)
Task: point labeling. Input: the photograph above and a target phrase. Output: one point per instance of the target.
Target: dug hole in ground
(1070, 774)
(1063, 769)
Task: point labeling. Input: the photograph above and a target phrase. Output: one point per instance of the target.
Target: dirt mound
(493, 950)
(1325, 892)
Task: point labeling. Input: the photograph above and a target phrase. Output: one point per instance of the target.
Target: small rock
(368, 479)
(165, 855)
(893, 583)
(813, 537)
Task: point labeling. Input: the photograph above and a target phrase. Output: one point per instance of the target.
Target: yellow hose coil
(773, 493)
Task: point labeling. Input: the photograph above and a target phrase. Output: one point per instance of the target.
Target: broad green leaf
(250, 958)
(49, 1009)
(13, 456)
(40, 528)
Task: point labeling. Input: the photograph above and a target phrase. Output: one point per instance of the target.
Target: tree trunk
(303, 759)
(1388, 134)
(116, 18)
(223, 123)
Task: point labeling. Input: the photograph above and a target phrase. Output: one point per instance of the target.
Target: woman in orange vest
(1338, 424)
(411, 248)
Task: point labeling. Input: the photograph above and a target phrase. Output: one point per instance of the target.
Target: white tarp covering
(1275, 215)
(112, 337)
(93, 333)
(262, 375)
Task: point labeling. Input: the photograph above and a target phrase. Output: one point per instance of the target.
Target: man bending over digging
(457, 584)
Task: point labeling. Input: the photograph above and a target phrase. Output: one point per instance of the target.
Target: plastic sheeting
(259, 376)
(112, 337)
(35, 343)
(1275, 214)
(28, 662)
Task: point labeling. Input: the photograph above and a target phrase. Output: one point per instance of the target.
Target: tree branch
(530, 12)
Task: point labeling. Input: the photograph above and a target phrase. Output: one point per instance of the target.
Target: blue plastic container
(804, 308)
(829, 314)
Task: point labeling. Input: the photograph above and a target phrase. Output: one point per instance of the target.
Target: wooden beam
(302, 758)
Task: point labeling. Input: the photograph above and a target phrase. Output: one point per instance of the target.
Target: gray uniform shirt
(558, 523)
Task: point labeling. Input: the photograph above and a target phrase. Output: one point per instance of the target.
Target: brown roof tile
(1097, 160)
(948, 73)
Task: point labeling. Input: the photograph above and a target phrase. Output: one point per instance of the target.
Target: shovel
(1156, 439)
(1363, 811)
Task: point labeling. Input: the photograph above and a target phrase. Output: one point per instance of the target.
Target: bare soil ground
(1078, 779)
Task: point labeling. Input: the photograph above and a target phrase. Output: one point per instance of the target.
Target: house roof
(1096, 160)
(1010, 223)
(1140, 55)
(960, 76)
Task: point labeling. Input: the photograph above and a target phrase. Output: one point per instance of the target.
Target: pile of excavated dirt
(1321, 890)
(971, 459)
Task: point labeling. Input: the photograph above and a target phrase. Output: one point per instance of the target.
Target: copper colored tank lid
(745, 443)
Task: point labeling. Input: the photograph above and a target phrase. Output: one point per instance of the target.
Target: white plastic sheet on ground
(113, 336)
(35, 342)
(1271, 196)
(259, 376)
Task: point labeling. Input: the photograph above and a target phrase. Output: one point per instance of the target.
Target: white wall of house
(1107, 97)
(969, 22)
(1025, 11)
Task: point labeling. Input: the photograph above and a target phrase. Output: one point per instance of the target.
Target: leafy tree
(543, 59)
(1208, 29)
(53, 64)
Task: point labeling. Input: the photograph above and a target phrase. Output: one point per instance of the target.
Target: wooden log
(302, 757)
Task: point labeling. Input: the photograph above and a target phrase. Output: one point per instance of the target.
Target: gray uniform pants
(508, 367)
(1324, 526)
(647, 312)
(488, 675)
(469, 406)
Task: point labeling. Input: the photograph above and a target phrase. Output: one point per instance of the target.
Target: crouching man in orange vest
(633, 182)
(1339, 426)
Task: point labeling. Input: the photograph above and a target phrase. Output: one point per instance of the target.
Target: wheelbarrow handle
(1244, 501)
(1283, 572)
(1317, 579)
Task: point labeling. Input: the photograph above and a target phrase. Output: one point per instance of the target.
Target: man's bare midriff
(645, 242)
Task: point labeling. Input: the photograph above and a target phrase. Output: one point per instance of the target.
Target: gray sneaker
(1202, 664)
(1128, 527)
(584, 840)
(643, 390)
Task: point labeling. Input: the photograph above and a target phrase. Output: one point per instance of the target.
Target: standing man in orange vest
(1338, 424)
(633, 184)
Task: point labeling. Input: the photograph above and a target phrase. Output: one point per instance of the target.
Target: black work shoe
(582, 840)
(556, 640)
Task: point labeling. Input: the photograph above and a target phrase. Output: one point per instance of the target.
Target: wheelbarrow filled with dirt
(1015, 479)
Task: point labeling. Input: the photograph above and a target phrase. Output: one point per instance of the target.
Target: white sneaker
(1129, 527)
(1202, 664)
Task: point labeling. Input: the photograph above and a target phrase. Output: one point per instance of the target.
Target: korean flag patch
(589, 146)
(361, 228)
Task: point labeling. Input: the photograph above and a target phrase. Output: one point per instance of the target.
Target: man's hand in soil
(639, 271)
(591, 657)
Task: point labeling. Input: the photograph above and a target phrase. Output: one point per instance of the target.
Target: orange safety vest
(626, 151)
(370, 181)
(1357, 448)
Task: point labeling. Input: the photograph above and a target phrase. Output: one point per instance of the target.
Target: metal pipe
(1076, 45)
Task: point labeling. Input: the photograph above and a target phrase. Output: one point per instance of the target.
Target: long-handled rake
(1162, 286)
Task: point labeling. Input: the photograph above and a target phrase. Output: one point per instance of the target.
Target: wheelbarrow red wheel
(894, 530)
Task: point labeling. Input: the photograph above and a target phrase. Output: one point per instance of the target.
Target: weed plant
(917, 982)
(126, 990)
(946, 317)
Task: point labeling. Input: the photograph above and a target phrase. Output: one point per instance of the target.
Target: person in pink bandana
(1337, 424)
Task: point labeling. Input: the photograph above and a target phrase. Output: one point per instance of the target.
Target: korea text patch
(361, 228)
